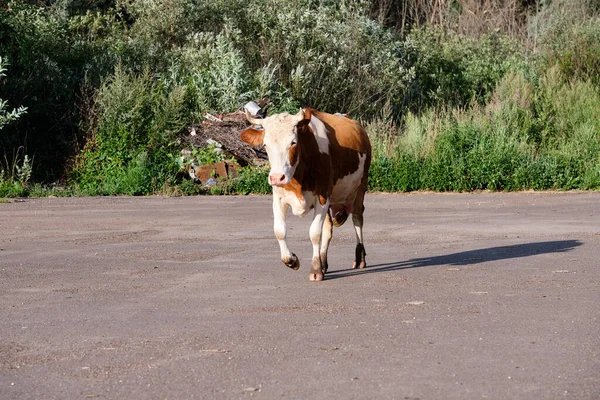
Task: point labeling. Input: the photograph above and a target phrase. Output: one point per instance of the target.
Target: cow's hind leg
(357, 219)
(325, 240)
(316, 230)
(279, 212)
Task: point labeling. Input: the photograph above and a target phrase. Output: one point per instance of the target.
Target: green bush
(15, 175)
(136, 130)
(577, 52)
(453, 70)
(8, 116)
(329, 57)
(214, 73)
(49, 60)
(538, 136)
(250, 180)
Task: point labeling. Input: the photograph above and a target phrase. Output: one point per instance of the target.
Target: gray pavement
(468, 296)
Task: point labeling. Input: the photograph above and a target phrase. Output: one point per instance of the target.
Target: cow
(318, 162)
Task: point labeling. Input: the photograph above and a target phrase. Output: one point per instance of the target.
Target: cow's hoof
(315, 276)
(292, 263)
(361, 265)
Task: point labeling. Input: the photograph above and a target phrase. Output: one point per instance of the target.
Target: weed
(250, 180)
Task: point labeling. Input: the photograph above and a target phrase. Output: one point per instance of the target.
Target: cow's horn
(252, 120)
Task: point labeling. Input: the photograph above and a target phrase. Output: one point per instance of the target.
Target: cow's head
(279, 134)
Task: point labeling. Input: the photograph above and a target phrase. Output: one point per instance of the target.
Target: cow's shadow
(465, 257)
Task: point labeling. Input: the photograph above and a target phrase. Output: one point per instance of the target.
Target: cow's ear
(253, 137)
(307, 115)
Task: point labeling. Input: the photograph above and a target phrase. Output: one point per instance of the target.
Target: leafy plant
(454, 70)
(135, 135)
(204, 155)
(5, 115)
(14, 180)
(539, 135)
(250, 180)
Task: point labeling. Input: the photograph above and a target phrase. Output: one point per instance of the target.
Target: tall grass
(530, 136)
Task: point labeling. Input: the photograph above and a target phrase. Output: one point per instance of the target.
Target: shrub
(567, 35)
(331, 58)
(134, 136)
(15, 176)
(49, 59)
(577, 52)
(8, 116)
(214, 73)
(250, 180)
(540, 135)
(454, 70)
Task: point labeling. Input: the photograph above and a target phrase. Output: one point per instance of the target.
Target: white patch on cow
(300, 206)
(345, 189)
(358, 230)
(320, 132)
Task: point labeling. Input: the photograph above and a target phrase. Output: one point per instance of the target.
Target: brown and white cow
(318, 162)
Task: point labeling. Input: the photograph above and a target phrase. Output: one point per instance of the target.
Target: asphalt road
(467, 296)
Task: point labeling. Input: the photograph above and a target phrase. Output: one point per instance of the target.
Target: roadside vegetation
(97, 95)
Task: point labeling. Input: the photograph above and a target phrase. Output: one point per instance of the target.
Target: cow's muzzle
(277, 179)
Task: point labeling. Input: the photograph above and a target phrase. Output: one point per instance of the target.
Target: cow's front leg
(279, 212)
(316, 228)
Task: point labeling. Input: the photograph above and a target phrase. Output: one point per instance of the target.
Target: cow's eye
(294, 142)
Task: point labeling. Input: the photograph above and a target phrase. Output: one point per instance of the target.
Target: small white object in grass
(415, 303)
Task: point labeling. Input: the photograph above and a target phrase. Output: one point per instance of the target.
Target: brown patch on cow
(294, 187)
(314, 167)
(347, 139)
(253, 137)
(293, 154)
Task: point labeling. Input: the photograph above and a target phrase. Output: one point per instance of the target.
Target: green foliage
(189, 188)
(14, 180)
(204, 155)
(135, 136)
(575, 48)
(332, 58)
(49, 59)
(250, 180)
(5, 115)
(453, 70)
(530, 136)
(214, 73)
